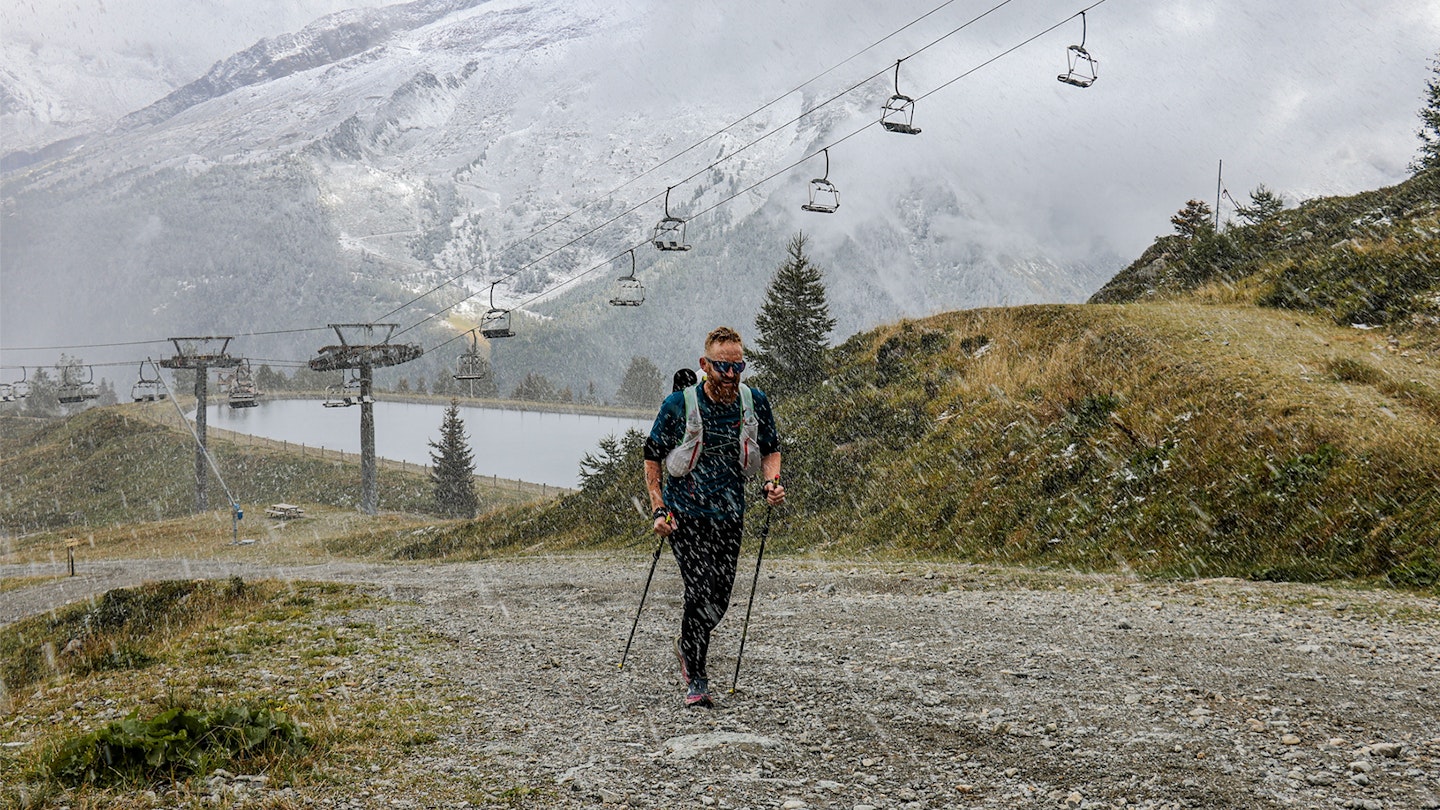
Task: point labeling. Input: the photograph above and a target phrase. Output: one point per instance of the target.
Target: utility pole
(200, 354)
(359, 349)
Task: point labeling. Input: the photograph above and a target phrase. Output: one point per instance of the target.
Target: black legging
(706, 549)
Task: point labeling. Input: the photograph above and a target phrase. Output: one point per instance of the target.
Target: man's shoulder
(674, 402)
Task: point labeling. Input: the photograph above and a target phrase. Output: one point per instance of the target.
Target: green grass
(194, 650)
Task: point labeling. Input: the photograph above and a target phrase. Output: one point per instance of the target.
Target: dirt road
(885, 686)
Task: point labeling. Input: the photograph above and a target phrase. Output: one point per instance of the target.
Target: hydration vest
(686, 455)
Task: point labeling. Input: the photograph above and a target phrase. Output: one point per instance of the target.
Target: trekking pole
(764, 533)
(653, 561)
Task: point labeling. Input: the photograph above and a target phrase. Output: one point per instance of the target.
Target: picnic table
(284, 511)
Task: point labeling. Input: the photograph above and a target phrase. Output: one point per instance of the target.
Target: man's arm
(652, 484)
(663, 524)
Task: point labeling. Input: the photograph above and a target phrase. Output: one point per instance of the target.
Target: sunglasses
(726, 367)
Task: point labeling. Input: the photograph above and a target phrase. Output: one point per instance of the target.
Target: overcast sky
(1310, 97)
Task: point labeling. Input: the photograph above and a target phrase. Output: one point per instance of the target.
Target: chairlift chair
(148, 390)
(336, 397)
(7, 392)
(898, 114)
(824, 196)
(1082, 66)
(73, 391)
(629, 292)
(496, 321)
(20, 389)
(243, 393)
(346, 394)
(670, 231)
(471, 365)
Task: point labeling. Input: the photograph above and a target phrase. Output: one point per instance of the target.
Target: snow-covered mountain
(330, 173)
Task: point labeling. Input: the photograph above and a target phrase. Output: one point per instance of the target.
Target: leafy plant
(178, 741)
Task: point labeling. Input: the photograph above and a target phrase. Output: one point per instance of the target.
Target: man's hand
(664, 522)
(773, 491)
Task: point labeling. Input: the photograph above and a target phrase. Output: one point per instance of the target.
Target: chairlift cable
(698, 173)
(708, 168)
(780, 128)
(1011, 50)
(700, 143)
(150, 342)
(548, 290)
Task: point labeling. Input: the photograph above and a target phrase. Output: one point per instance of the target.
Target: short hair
(722, 334)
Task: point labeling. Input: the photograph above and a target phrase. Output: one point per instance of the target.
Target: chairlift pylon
(1082, 66)
(630, 292)
(670, 231)
(898, 114)
(471, 365)
(496, 321)
(148, 390)
(824, 196)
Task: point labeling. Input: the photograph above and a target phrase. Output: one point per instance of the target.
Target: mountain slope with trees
(1369, 258)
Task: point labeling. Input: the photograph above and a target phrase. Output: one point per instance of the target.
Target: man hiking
(709, 437)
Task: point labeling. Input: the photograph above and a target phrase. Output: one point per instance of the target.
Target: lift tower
(360, 349)
(200, 354)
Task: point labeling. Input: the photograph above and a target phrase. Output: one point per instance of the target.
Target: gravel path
(877, 686)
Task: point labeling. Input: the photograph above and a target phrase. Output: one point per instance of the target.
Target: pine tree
(452, 469)
(535, 388)
(1429, 132)
(642, 385)
(268, 379)
(1194, 220)
(1264, 206)
(794, 324)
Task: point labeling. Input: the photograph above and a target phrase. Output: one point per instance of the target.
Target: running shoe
(699, 695)
(679, 656)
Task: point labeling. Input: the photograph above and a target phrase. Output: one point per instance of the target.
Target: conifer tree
(535, 388)
(1264, 206)
(794, 324)
(1194, 220)
(1429, 132)
(643, 384)
(452, 468)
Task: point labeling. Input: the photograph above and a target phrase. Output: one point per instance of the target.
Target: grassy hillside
(1371, 258)
(1178, 439)
(124, 464)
